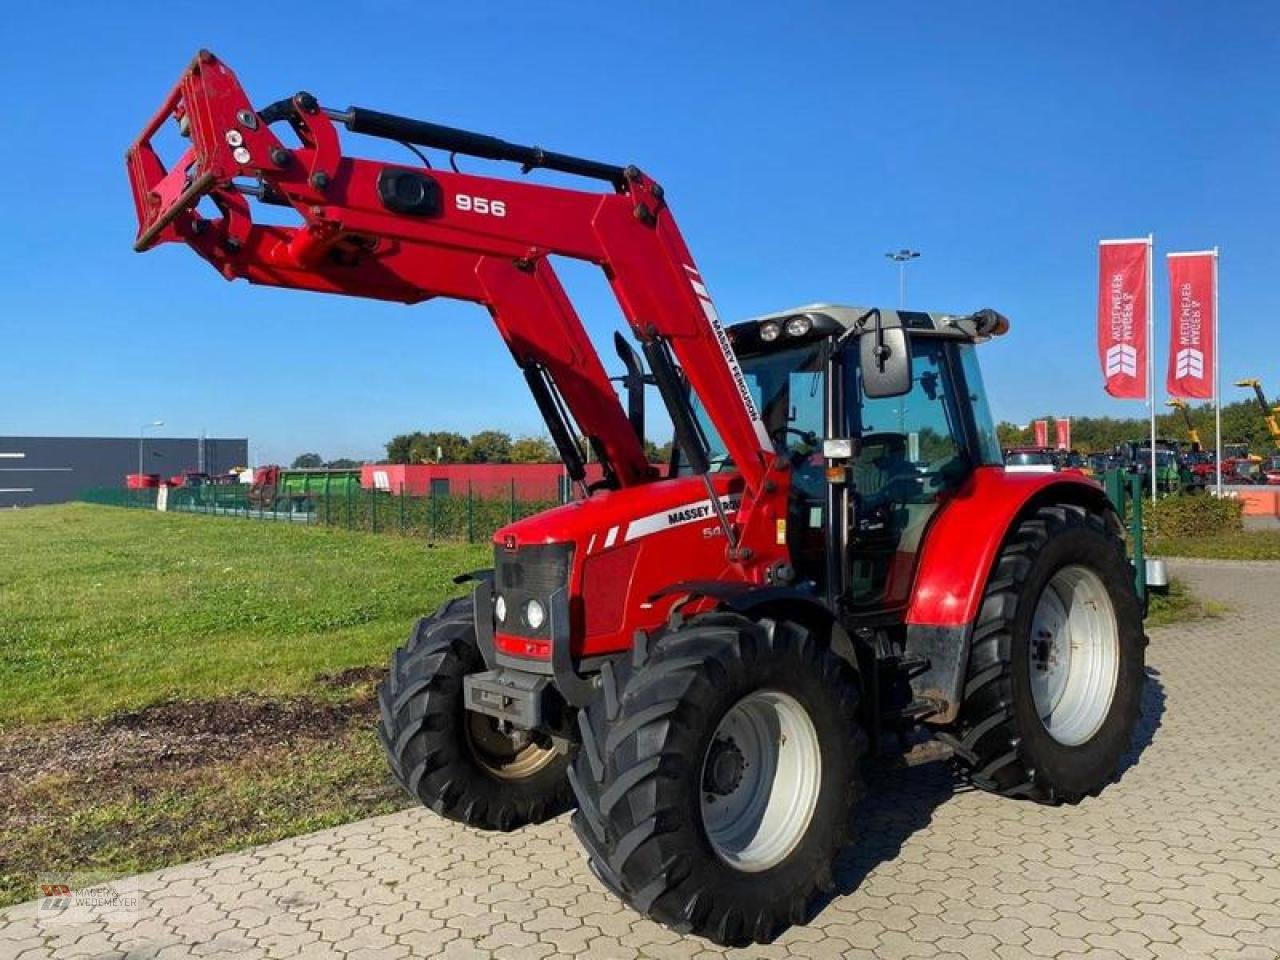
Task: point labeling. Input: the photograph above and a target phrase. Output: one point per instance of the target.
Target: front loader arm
(407, 234)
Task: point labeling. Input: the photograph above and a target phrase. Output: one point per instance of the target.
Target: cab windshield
(787, 386)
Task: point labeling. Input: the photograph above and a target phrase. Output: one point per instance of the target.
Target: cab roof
(826, 319)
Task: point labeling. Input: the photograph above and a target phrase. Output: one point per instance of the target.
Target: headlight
(500, 609)
(534, 614)
(770, 331)
(799, 326)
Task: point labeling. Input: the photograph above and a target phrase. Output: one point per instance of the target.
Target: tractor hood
(619, 546)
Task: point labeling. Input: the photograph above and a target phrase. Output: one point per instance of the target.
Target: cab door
(910, 453)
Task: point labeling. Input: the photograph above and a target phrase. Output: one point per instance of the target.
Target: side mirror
(886, 362)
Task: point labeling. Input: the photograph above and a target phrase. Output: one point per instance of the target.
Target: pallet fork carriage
(698, 662)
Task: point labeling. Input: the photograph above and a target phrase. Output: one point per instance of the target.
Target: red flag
(1042, 433)
(1122, 316)
(1192, 278)
(1062, 429)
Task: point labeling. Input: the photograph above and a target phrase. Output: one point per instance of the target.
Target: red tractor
(698, 661)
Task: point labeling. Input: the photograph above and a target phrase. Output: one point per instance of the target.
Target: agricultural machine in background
(1268, 411)
(1193, 435)
(699, 660)
(296, 489)
(1172, 474)
(1030, 460)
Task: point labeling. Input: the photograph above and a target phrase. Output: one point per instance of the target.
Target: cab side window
(918, 436)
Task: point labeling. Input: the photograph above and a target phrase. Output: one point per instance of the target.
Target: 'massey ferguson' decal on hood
(676, 516)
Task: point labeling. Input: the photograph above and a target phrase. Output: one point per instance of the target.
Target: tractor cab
(883, 415)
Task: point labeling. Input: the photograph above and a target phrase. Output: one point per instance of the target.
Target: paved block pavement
(1180, 859)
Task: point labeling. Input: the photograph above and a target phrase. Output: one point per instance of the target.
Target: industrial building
(36, 470)
(523, 481)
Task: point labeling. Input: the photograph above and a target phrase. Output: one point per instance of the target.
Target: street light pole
(902, 258)
(142, 432)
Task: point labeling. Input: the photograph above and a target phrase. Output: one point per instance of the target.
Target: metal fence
(468, 517)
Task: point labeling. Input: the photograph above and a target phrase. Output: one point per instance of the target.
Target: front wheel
(459, 763)
(717, 778)
(1056, 665)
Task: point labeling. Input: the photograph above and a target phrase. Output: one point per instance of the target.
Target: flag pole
(1217, 381)
(1151, 353)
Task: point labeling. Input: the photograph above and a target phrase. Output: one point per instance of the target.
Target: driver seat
(878, 455)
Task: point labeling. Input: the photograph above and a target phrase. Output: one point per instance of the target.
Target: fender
(962, 542)
(955, 564)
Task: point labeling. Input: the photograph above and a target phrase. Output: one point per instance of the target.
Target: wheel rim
(511, 756)
(1075, 655)
(760, 779)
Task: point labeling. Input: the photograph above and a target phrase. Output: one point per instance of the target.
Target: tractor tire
(456, 762)
(1056, 671)
(759, 718)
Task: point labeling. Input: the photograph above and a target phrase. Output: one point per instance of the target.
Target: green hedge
(1188, 515)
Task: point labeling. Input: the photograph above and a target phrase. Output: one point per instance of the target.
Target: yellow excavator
(1268, 412)
(1192, 433)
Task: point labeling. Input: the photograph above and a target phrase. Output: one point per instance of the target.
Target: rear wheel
(1056, 667)
(717, 778)
(459, 763)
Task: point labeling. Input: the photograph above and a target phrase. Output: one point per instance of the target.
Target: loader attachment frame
(405, 233)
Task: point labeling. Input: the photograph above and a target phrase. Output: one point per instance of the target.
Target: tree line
(313, 461)
(1242, 422)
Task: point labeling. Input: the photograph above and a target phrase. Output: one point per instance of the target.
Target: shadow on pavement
(1149, 720)
(901, 801)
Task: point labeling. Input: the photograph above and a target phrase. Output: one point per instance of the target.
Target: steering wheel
(808, 438)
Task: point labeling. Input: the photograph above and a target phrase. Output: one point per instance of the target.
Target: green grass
(1180, 605)
(1246, 545)
(119, 828)
(107, 609)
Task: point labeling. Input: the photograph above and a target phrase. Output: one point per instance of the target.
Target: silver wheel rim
(1075, 655)
(756, 818)
(507, 756)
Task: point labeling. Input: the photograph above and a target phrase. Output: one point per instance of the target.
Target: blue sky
(797, 143)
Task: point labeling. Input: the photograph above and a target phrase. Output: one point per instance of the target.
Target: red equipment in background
(525, 481)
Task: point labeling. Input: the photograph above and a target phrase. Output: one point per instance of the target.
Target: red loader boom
(390, 232)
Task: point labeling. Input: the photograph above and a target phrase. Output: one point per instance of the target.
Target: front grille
(529, 573)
